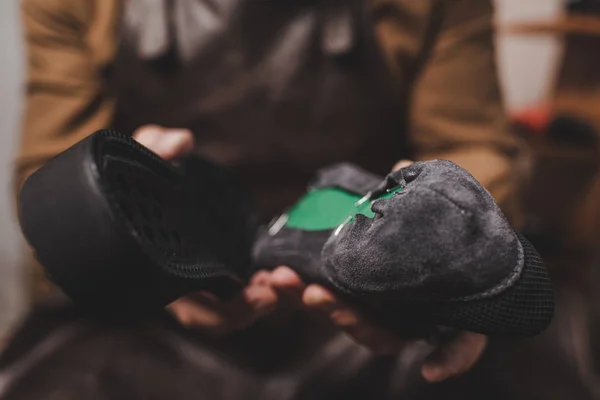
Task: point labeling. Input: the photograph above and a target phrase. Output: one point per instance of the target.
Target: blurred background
(528, 66)
(11, 76)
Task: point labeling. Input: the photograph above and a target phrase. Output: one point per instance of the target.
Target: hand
(203, 311)
(452, 359)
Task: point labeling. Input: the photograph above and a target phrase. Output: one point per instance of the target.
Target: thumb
(455, 357)
(169, 144)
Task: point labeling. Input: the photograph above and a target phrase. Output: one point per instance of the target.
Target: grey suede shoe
(424, 248)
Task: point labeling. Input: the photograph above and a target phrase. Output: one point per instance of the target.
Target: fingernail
(313, 296)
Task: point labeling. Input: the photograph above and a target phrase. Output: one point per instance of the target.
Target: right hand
(203, 311)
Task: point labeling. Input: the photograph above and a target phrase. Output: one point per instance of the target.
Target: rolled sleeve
(65, 99)
(457, 111)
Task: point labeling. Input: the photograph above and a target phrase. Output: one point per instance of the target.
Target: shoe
(424, 250)
(119, 229)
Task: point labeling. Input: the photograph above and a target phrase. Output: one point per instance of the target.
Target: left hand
(202, 311)
(452, 359)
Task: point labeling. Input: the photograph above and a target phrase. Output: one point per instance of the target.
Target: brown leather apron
(271, 89)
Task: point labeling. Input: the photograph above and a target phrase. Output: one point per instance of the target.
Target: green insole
(327, 208)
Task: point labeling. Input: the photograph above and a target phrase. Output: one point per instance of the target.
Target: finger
(319, 298)
(402, 164)
(205, 297)
(285, 278)
(454, 358)
(203, 316)
(147, 135)
(287, 284)
(261, 299)
(358, 325)
(170, 144)
(205, 312)
(176, 144)
(261, 278)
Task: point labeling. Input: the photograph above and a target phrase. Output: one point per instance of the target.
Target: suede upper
(442, 237)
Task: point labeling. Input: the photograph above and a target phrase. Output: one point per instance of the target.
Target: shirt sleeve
(455, 107)
(65, 96)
